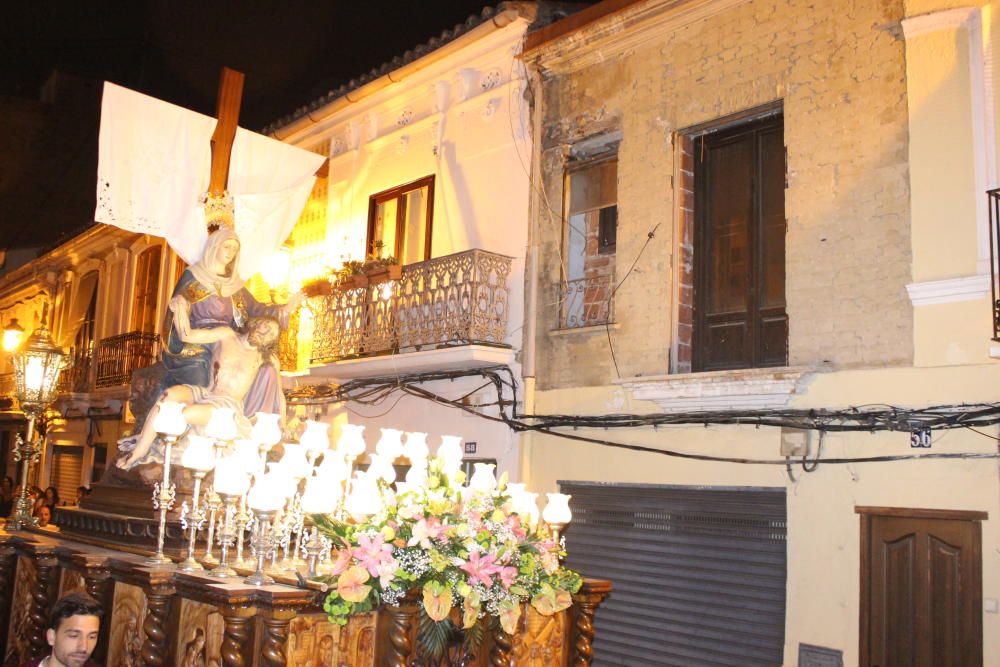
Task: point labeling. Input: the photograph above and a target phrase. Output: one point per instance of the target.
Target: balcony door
(400, 222)
(921, 588)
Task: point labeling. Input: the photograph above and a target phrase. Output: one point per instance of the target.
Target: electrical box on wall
(794, 442)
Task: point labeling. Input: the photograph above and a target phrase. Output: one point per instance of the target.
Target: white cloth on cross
(153, 170)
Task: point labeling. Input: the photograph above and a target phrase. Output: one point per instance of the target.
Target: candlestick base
(190, 565)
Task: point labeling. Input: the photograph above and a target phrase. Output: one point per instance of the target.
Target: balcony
(119, 355)
(75, 376)
(447, 302)
(586, 302)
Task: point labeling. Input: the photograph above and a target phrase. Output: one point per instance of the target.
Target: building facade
(751, 205)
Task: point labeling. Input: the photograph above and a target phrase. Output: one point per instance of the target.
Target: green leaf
(433, 636)
(474, 637)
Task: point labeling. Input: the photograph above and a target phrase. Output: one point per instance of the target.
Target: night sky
(291, 51)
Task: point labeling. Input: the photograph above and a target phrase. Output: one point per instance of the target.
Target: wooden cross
(227, 111)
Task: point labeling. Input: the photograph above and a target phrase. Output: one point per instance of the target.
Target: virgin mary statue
(210, 293)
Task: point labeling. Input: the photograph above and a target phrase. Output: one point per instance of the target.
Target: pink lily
(480, 569)
(424, 531)
(508, 575)
(371, 552)
(343, 558)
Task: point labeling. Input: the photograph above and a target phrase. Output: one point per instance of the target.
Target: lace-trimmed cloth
(153, 170)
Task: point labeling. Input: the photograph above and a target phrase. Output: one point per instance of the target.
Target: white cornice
(622, 31)
(944, 20)
(950, 290)
(750, 389)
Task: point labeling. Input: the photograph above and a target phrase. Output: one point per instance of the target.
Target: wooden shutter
(147, 284)
(698, 573)
(67, 465)
(740, 316)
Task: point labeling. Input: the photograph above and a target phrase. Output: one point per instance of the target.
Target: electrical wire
(870, 418)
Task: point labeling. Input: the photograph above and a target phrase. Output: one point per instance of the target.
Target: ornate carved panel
(127, 614)
(18, 639)
(199, 635)
(542, 640)
(71, 582)
(314, 641)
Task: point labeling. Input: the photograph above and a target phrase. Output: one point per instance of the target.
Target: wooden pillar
(155, 649)
(8, 560)
(42, 599)
(236, 634)
(585, 604)
(100, 587)
(398, 650)
(502, 651)
(275, 626)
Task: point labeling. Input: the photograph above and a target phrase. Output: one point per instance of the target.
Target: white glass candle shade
(316, 437)
(267, 495)
(483, 478)
(266, 429)
(416, 476)
(390, 445)
(170, 419)
(557, 509)
(333, 468)
(364, 499)
(450, 453)
(320, 497)
(380, 467)
(199, 454)
(247, 454)
(230, 477)
(416, 447)
(352, 440)
(295, 462)
(222, 424)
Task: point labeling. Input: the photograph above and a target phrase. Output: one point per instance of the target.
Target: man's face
(263, 333)
(74, 640)
(44, 515)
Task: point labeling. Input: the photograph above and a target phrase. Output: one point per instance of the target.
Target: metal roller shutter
(698, 572)
(67, 464)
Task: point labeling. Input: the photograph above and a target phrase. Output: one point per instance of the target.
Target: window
(147, 284)
(739, 315)
(400, 221)
(591, 231)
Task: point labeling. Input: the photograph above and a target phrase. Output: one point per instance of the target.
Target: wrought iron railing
(75, 377)
(993, 197)
(119, 355)
(458, 299)
(586, 302)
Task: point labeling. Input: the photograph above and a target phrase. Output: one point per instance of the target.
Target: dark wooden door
(921, 589)
(739, 253)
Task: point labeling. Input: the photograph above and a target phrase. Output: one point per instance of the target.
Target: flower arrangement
(472, 551)
(352, 270)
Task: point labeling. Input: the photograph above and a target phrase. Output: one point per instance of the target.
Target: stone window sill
(745, 389)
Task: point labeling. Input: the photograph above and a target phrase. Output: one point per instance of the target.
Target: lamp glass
(416, 447)
(266, 429)
(267, 493)
(557, 509)
(37, 365)
(316, 437)
(222, 424)
(199, 454)
(320, 497)
(352, 440)
(483, 478)
(170, 419)
(390, 445)
(230, 477)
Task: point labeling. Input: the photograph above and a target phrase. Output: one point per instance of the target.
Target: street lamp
(13, 334)
(37, 365)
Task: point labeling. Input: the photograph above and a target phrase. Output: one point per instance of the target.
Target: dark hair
(74, 604)
(55, 494)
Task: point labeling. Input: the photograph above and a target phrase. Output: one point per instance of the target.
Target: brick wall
(839, 69)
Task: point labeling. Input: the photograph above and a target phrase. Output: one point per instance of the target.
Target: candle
(170, 418)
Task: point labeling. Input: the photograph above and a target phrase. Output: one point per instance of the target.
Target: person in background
(51, 497)
(44, 516)
(37, 498)
(81, 493)
(73, 628)
(6, 496)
